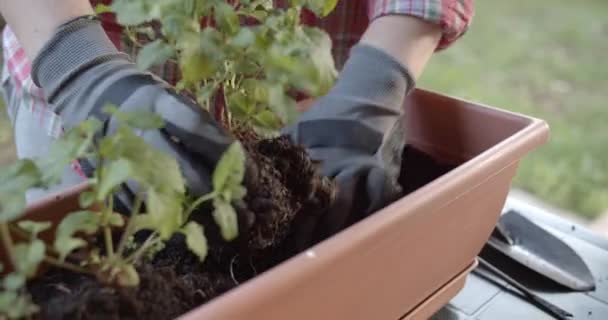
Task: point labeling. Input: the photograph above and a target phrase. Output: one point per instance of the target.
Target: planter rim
(442, 295)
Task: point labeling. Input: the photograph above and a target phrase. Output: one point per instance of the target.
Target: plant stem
(198, 202)
(137, 254)
(107, 235)
(107, 231)
(127, 232)
(7, 242)
(65, 265)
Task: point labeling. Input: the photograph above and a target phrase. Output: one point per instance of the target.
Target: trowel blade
(541, 251)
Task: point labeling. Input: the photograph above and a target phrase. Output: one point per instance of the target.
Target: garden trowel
(522, 240)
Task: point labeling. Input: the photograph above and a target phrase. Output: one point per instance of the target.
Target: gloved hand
(81, 71)
(356, 134)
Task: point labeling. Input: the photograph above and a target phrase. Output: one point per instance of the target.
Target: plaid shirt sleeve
(453, 16)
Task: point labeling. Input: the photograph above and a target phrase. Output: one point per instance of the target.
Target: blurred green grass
(544, 58)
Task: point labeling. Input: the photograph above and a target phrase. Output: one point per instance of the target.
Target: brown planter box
(410, 258)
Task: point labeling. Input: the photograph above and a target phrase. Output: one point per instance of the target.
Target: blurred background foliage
(544, 58)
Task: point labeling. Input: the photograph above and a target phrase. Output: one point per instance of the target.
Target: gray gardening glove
(81, 71)
(356, 134)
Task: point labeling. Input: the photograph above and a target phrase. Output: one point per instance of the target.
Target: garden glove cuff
(81, 71)
(356, 133)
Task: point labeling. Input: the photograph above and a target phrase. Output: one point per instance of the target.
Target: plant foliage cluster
(242, 60)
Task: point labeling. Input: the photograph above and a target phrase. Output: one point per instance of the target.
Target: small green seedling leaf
(154, 53)
(87, 222)
(8, 300)
(226, 218)
(321, 7)
(13, 281)
(15, 180)
(195, 239)
(103, 8)
(75, 144)
(34, 227)
(238, 105)
(267, 119)
(130, 12)
(16, 305)
(230, 170)
(226, 17)
(243, 39)
(28, 256)
(116, 220)
(113, 175)
(86, 199)
(196, 67)
(144, 120)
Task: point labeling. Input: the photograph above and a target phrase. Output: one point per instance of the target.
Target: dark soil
(288, 191)
(419, 168)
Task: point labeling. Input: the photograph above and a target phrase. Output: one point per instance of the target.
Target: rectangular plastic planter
(388, 264)
(410, 258)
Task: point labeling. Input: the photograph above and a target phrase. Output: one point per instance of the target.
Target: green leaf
(28, 256)
(243, 39)
(116, 220)
(87, 222)
(321, 7)
(145, 162)
(257, 14)
(34, 227)
(113, 175)
(239, 105)
(15, 180)
(230, 169)
(8, 299)
(322, 60)
(129, 12)
(226, 218)
(197, 67)
(201, 55)
(154, 53)
(226, 17)
(164, 192)
(235, 193)
(86, 199)
(280, 103)
(257, 90)
(75, 144)
(144, 120)
(13, 281)
(267, 119)
(102, 8)
(195, 239)
(64, 246)
(15, 305)
(205, 93)
(164, 215)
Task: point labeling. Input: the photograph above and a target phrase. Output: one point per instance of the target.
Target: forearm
(408, 39)
(36, 21)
